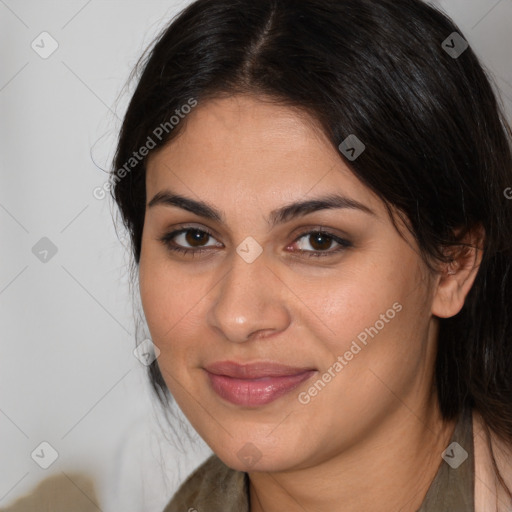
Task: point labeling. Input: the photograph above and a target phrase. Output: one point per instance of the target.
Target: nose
(249, 302)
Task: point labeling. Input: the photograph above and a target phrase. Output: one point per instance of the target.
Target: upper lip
(254, 370)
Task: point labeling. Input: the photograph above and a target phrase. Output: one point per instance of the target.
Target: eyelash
(167, 241)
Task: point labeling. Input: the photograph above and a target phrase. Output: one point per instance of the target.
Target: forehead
(245, 147)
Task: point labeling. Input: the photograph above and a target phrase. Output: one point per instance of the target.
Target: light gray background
(68, 374)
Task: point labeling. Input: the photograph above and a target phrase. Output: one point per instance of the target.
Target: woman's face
(349, 311)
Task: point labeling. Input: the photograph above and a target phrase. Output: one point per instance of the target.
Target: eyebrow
(278, 216)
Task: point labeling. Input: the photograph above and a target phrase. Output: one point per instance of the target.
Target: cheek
(354, 299)
(170, 302)
(169, 297)
(376, 316)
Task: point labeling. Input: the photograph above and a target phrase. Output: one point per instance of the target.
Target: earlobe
(456, 278)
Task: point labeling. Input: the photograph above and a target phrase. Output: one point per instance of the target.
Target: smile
(255, 384)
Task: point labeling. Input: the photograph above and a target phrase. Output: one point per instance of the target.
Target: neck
(390, 470)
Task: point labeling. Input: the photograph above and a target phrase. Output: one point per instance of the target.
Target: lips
(255, 384)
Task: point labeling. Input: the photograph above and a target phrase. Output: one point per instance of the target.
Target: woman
(315, 192)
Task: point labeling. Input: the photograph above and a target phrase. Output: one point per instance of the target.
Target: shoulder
(489, 495)
(213, 486)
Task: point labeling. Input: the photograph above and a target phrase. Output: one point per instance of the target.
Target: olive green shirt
(214, 487)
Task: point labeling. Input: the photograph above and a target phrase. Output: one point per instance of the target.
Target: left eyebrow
(299, 209)
(278, 216)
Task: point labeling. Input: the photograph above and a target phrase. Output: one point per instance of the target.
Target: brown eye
(196, 238)
(316, 240)
(321, 243)
(189, 241)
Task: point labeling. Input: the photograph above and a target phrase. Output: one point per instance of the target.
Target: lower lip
(255, 392)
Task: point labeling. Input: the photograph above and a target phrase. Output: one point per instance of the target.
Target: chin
(255, 456)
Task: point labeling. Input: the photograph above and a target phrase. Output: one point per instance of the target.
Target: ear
(456, 278)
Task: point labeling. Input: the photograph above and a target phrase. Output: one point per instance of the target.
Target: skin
(375, 428)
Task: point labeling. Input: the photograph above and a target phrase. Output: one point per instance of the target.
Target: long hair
(392, 72)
